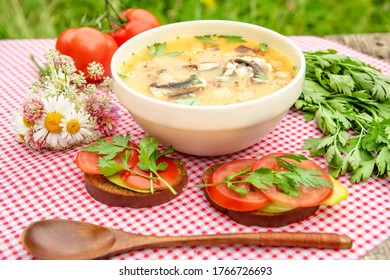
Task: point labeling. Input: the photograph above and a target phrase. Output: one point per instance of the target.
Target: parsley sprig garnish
(109, 149)
(289, 179)
(228, 38)
(349, 100)
(263, 47)
(148, 156)
(158, 49)
(232, 38)
(190, 99)
(206, 39)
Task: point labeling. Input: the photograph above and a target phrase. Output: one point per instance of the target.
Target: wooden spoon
(63, 239)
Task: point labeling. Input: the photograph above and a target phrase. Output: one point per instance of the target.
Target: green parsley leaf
(110, 150)
(206, 39)
(157, 49)
(234, 187)
(362, 80)
(261, 178)
(381, 89)
(363, 172)
(232, 39)
(262, 77)
(314, 93)
(109, 167)
(263, 47)
(122, 76)
(121, 141)
(287, 182)
(341, 83)
(191, 100)
(383, 161)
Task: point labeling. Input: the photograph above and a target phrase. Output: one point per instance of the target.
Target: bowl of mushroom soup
(208, 87)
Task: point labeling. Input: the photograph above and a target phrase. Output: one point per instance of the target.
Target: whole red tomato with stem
(133, 21)
(85, 45)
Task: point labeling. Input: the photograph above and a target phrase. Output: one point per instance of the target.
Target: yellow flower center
(28, 123)
(73, 126)
(52, 122)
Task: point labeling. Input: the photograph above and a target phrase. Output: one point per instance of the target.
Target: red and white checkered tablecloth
(37, 185)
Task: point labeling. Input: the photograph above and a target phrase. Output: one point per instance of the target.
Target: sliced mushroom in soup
(208, 70)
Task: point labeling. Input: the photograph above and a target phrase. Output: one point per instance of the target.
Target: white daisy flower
(76, 127)
(48, 128)
(22, 127)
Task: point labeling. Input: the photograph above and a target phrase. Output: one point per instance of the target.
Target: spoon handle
(265, 239)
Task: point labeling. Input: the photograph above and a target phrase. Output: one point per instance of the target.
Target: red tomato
(223, 196)
(88, 161)
(137, 21)
(308, 196)
(86, 45)
(170, 174)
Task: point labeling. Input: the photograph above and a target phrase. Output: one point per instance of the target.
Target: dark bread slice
(109, 193)
(258, 217)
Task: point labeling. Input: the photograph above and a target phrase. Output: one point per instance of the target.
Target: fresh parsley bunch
(349, 100)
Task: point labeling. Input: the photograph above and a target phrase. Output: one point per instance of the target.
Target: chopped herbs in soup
(208, 70)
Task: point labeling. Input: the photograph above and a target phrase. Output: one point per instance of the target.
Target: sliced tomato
(225, 197)
(170, 174)
(88, 161)
(308, 196)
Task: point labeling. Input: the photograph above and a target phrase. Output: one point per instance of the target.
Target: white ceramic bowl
(208, 130)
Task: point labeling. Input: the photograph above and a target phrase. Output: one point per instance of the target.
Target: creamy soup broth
(208, 70)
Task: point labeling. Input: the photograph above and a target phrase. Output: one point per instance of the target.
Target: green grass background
(47, 18)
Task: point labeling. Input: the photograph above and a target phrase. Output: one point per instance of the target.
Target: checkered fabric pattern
(37, 185)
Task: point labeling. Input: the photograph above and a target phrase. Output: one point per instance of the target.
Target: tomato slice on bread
(308, 196)
(170, 174)
(227, 198)
(88, 161)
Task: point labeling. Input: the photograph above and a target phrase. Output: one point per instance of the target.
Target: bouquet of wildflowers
(62, 109)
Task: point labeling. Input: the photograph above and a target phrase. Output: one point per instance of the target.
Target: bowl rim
(299, 76)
